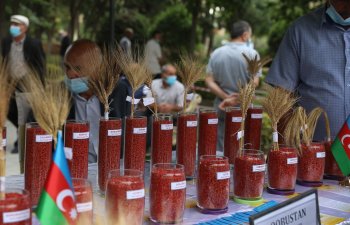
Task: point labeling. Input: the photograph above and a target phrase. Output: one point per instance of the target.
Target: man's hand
(232, 100)
(165, 108)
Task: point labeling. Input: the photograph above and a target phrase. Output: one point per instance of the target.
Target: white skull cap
(20, 19)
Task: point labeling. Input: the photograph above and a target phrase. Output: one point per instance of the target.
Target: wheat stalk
(190, 70)
(148, 83)
(277, 103)
(255, 64)
(328, 129)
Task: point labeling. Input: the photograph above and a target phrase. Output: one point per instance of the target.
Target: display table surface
(334, 200)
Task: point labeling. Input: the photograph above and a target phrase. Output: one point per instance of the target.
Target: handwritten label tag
(191, 123)
(43, 138)
(259, 168)
(213, 121)
(166, 126)
(275, 137)
(256, 116)
(223, 175)
(135, 194)
(141, 130)
(240, 134)
(81, 135)
(129, 99)
(178, 185)
(236, 119)
(320, 154)
(189, 97)
(4, 142)
(114, 133)
(84, 207)
(17, 216)
(292, 160)
(148, 101)
(68, 153)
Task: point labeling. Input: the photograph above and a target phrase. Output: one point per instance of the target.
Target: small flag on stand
(341, 148)
(57, 202)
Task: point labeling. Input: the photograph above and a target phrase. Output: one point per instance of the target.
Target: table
(334, 200)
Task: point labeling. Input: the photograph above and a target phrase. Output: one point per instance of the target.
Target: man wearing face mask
(21, 53)
(313, 60)
(227, 68)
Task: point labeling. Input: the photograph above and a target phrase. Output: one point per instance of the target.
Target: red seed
(213, 184)
(109, 149)
(208, 126)
(282, 168)
(331, 166)
(233, 119)
(16, 203)
(135, 143)
(311, 163)
(76, 137)
(83, 198)
(162, 136)
(248, 176)
(167, 193)
(38, 154)
(252, 130)
(186, 142)
(120, 209)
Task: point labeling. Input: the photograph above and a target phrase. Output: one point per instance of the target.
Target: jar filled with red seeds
(208, 131)
(233, 120)
(248, 175)
(83, 198)
(331, 170)
(125, 197)
(38, 156)
(76, 147)
(135, 143)
(282, 167)
(311, 165)
(110, 139)
(252, 130)
(4, 141)
(16, 208)
(162, 138)
(186, 142)
(167, 193)
(213, 184)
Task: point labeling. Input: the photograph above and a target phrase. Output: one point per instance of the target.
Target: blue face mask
(170, 80)
(15, 31)
(77, 85)
(334, 15)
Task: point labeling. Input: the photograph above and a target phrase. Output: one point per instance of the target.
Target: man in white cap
(22, 53)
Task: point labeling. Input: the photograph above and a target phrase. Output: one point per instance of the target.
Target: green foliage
(266, 133)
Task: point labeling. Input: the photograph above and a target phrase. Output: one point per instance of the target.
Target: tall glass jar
(135, 143)
(253, 123)
(208, 131)
(162, 138)
(186, 142)
(83, 198)
(331, 170)
(16, 208)
(248, 175)
(125, 197)
(38, 156)
(76, 147)
(110, 139)
(167, 193)
(213, 184)
(233, 120)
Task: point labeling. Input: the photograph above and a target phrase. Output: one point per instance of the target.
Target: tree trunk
(195, 12)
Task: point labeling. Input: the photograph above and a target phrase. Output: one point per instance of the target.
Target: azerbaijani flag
(341, 148)
(57, 203)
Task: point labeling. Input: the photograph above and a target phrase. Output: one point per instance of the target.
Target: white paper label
(129, 99)
(17, 216)
(292, 160)
(223, 175)
(256, 116)
(236, 119)
(135, 194)
(178, 185)
(275, 137)
(82, 135)
(166, 126)
(259, 168)
(213, 121)
(4, 142)
(141, 130)
(189, 97)
(2, 183)
(191, 123)
(43, 138)
(320, 154)
(114, 133)
(148, 101)
(240, 134)
(68, 153)
(84, 207)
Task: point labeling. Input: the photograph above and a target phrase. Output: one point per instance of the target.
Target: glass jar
(208, 131)
(167, 193)
(125, 197)
(135, 143)
(186, 142)
(213, 184)
(110, 139)
(76, 147)
(233, 120)
(331, 170)
(38, 156)
(252, 130)
(15, 208)
(83, 198)
(162, 138)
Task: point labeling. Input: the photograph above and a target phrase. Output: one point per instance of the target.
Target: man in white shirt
(153, 54)
(125, 41)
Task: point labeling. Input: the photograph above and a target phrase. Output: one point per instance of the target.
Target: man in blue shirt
(313, 60)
